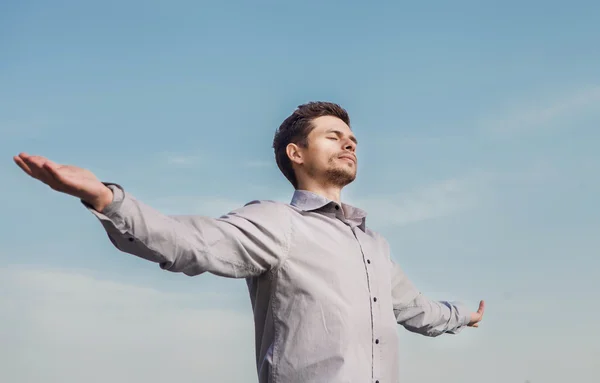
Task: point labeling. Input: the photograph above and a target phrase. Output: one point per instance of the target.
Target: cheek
(320, 154)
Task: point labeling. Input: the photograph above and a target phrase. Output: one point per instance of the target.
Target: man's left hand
(478, 316)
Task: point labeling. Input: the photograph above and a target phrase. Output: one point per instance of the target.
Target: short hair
(296, 128)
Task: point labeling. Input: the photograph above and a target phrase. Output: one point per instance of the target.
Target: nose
(350, 145)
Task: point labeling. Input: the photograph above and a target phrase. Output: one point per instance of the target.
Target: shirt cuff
(466, 319)
(463, 313)
(118, 197)
(114, 205)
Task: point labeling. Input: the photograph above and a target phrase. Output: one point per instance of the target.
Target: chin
(341, 177)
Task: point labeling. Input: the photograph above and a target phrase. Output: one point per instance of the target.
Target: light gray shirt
(326, 294)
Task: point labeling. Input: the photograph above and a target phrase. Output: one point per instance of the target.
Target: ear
(294, 153)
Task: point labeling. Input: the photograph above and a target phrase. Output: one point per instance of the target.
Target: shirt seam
(288, 244)
(224, 260)
(274, 311)
(273, 298)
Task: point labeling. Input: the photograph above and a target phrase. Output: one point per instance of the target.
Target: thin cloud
(69, 327)
(545, 114)
(429, 202)
(182, 160)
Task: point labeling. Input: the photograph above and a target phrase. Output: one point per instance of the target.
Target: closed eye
(338, 134)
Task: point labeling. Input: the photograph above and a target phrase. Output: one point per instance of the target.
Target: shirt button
(131, 239)
(376, 341)
(369, 261)
(375, 299)
(337, 207)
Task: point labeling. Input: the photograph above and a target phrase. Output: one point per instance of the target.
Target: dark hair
(296, 128)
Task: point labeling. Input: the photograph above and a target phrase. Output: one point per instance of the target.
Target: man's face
(331, 153)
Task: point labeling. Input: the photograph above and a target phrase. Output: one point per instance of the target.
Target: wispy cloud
(182, 160)
(429, 202)
(70, 327)
(189, 160)
(541, 114)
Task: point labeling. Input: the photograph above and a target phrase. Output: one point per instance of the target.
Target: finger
(475, 325)
(52, 169)
(25, 157)
(19, 161)
(36, 164)
(481, 307)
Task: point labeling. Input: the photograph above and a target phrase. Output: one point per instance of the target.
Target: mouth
(348, 158)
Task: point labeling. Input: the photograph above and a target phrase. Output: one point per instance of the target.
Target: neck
(330, 192)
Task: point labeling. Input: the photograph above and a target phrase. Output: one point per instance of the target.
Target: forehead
(324, 124)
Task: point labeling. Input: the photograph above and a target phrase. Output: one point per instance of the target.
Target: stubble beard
(340, 175)
(335, 175)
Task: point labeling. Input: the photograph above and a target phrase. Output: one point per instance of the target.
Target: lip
(348, 157)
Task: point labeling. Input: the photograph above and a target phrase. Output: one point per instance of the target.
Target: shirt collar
(309, 201)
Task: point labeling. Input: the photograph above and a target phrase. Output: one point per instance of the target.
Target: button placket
(375, 316)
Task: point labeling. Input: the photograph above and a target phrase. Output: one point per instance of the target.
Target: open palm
(68, 179)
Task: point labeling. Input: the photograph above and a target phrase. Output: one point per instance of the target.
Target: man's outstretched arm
(421, 315)
(244, 243)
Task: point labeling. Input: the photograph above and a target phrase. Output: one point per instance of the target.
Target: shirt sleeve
(421, 315)
(244, 243)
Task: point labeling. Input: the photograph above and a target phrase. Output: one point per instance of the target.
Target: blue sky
(478, 132)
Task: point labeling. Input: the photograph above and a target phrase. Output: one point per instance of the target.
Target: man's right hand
(78, 182)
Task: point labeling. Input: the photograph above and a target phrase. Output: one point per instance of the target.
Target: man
(325, 292)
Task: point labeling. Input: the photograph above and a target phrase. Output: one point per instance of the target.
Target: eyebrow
(340, 134)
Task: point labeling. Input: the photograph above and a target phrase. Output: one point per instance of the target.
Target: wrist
(103, 200)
